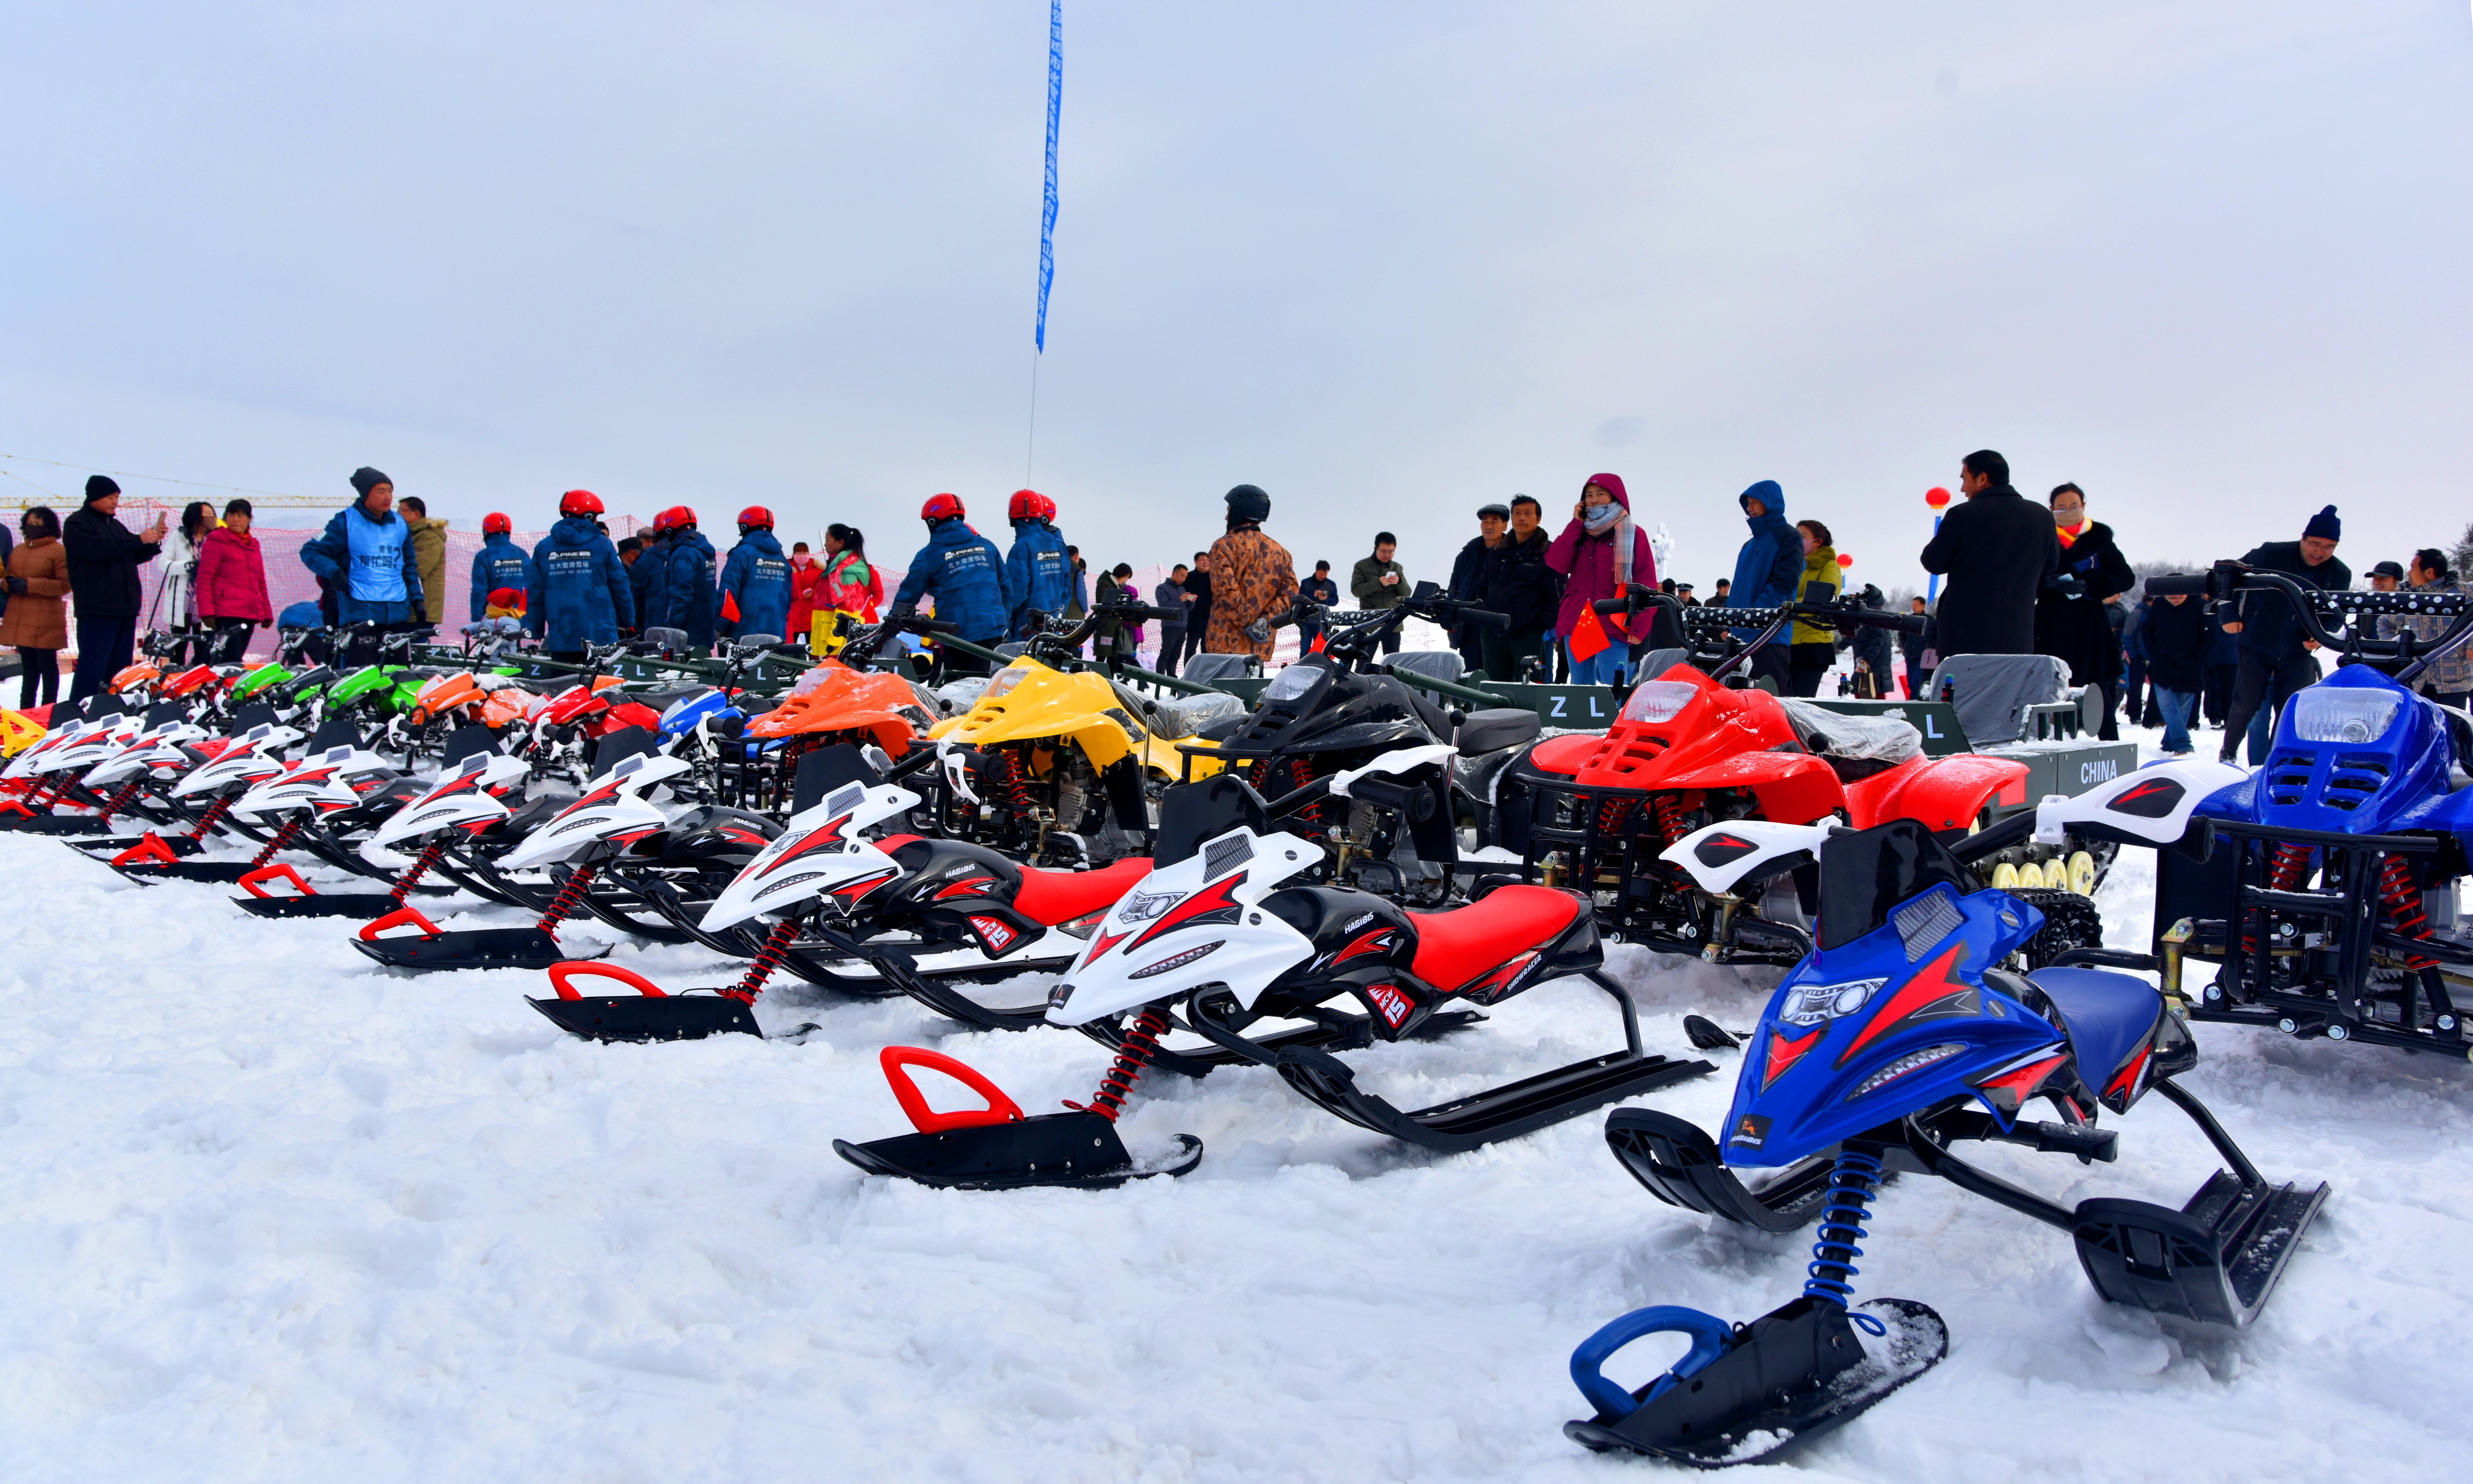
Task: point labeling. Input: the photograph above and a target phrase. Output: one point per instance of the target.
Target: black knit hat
(2325, 525)
(366, 479)
(1247, 502)
(99, 486)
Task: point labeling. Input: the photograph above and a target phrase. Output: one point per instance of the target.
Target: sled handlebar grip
(2192, 583)
(1483, 617)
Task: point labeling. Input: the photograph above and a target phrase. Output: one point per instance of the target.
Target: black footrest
(1680, 1165)
(2216, 1260)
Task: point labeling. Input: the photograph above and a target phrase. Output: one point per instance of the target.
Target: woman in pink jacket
(231, 585)
(1597, 554)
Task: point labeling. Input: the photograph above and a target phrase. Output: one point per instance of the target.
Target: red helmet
(942, 507)
(676, 516)
(756, 516)
(495, 524)
(1047, 507)
(579, 502)
(1026, 505)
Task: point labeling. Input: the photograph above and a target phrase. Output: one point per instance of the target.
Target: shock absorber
(1669, 818)
(1017, 785)
(2403, 902)
(284, 835)
(118, 801)
(412, 874)
(1132, 1054)
(1301, 774)
(2285, 869)
(777, 944)
(214, 815)
(569, 896)
(1852, 1183)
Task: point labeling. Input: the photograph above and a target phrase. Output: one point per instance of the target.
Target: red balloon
(1936, 497)
(1846, 559)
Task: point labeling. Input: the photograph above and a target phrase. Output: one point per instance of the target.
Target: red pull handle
(559, 973)
(897, 1060)
(277, 872)
(400, 917)
(149, 851)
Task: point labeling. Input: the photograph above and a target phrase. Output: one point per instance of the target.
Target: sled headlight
(1057, 997)
(2323, 713)
(1176, 960)
(1658, 701)
(1813, 1003)
(1912, 1061)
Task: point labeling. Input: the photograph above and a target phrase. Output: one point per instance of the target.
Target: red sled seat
(1455, 947)
(1049, 898)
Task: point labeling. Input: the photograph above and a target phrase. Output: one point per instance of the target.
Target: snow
(269, 1211)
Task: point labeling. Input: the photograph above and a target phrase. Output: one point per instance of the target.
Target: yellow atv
(1056, 761)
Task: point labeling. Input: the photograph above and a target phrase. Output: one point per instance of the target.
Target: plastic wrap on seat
(1882, 739)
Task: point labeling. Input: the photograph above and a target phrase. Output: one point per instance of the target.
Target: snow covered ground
(268, 1212)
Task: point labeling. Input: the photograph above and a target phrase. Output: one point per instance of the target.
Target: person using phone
(103, 556)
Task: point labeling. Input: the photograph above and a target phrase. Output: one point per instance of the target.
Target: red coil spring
(569, 897)
(1669, 818)
(118, 801)
(1132, 1054)
(413, 874)
(1017, 786)
(1611, 814)
(1301, 774)
(213, 816)
(2403, 902)
(775, 945)
(2285, 871)
(278, 841)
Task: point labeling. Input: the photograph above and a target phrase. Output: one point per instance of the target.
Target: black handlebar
(2407, 651)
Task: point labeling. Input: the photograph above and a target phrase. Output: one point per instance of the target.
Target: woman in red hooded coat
(1599, 553)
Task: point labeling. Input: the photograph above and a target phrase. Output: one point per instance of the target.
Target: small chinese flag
(1588, 636)
(730, 607)
(1316, 648)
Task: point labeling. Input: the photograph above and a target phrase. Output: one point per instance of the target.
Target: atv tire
(2070, 921)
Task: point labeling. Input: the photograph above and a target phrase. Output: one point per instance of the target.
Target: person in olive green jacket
(1377, 582)
(1815, 645)
(429, 549)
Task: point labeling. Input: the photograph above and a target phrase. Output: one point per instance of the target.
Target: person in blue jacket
(756, 577)
(1038, 574)
(1767, 573)
(581, 595)
(690, 591)
(650, 575)
(961, 570)
(365, 559)
(500, 563)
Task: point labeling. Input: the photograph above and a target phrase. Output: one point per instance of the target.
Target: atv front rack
(2312, 961)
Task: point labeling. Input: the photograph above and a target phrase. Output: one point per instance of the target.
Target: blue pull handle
(1709, 1333)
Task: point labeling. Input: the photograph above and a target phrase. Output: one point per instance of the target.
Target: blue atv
(1900, 1035)
(2329, 908)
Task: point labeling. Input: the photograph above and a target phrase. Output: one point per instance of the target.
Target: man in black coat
(2275, 655)
(103, 559)
(1516, 582)
(1198, 612)
(2174, 633)
(1996, 550)
(2073, 621)
(1491, 523)
(1912, 647)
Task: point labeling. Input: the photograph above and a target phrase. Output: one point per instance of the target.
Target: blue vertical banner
(1047, 214)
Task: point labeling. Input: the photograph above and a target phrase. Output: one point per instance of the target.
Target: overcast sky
(1389, 262)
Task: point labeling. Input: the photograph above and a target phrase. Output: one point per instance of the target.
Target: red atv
(1596, 812)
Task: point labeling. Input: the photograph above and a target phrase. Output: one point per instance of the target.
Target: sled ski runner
(1214, 929)
(1898, 1037)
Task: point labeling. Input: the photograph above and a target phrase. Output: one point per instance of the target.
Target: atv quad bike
(1053, 763)
(1692, 747)
(2329, 906)
(839, 700)
(1895, 1040)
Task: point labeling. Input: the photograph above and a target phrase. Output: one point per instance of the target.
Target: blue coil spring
(1850, 1187)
